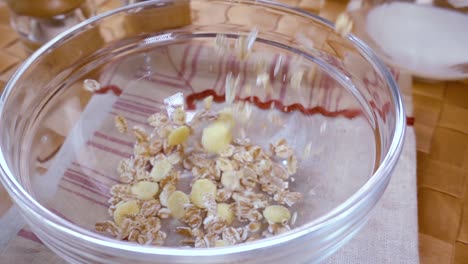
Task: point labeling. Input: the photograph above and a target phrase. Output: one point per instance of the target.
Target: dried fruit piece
(161, 169)
(223, 211)
(145, 190)
(227, 117)
(200, 189)
(221, 243)
(166, 193)
(276, 214)
(124, 209)
(343, 24)
(230, 180)
(176, 203)
(178, 136)
(216, 137)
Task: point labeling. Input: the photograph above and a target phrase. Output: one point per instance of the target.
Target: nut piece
(178, 135)
(223, 211)
(161, 169)
(276, 214)
(145, 190)
(230, 180)
(124, 209)
(200, 189)
(176, 203)
(216, 137)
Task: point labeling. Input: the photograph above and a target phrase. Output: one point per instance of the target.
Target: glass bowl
(430, 43)
(329, 96)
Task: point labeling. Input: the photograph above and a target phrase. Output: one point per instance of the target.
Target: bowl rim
(380, 176)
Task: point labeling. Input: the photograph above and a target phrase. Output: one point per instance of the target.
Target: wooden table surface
(441, 124)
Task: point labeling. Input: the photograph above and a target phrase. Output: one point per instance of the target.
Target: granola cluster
(220, 189)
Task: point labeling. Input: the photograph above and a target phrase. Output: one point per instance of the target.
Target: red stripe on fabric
(82, 196)
(94, 171)
(108, 149)
(29, 236)
(128, 111)
(61, 215)
(142, 123)
(348, 113)
(244, 75)
(194, 65)
(159, 81)
(144, 98)
(184, 60)
(129, 101)
(176, 69)
(113, 139)
(170, 77)
(84, 187)
(85, 179)
(134, 107)
(272, 73)
(132, 120)
(409, 121)
(220, 73)
(284, 80)
(113, 88)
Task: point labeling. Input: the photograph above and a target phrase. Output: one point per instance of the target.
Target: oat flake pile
(238, 192)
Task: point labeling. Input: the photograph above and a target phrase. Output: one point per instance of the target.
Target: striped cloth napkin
(78, 176)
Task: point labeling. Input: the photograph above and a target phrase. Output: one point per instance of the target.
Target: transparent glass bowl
(422, 28)
(59, 147)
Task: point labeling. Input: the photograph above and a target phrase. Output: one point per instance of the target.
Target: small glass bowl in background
(39, 21)
(426, 38)
(160, 52)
